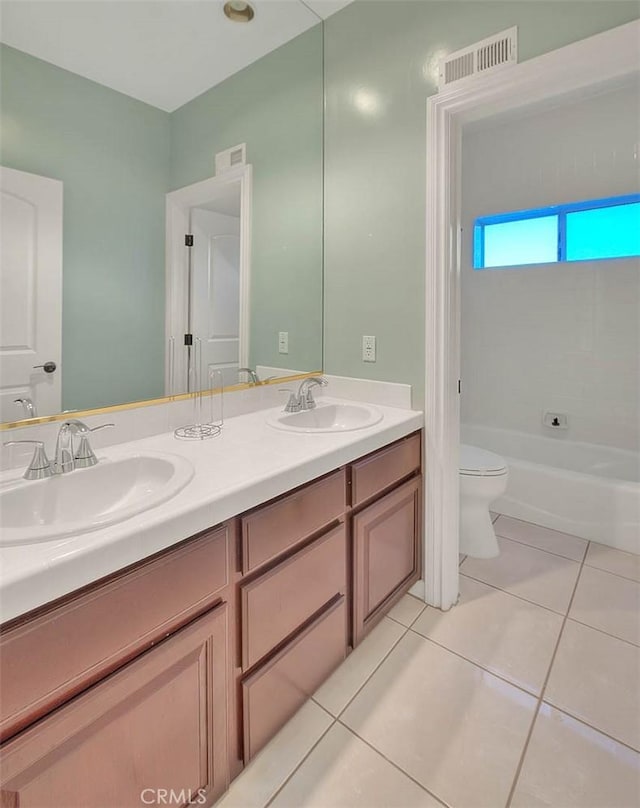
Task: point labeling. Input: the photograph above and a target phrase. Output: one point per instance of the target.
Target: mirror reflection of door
(30, 294)
(215, 290)
(208, 283)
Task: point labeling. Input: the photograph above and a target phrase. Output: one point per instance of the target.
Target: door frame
(178, 205)
(588, 65)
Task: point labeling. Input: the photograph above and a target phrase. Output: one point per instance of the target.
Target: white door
(30, 292)
(216, 293)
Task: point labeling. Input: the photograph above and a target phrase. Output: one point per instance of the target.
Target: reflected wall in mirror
(118, 127)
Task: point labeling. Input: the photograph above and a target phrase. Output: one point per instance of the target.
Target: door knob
(48, 367)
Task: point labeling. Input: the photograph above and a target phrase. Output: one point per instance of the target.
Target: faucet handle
(293, 405)
(305, 394)
(85, 456)
(255, 379)
(39, 468)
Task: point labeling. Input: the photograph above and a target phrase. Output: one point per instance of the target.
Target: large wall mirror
(112, 116)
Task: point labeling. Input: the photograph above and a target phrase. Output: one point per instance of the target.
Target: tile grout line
(544, 686)
(584, 564)
(584, 723)
(615, 574)
(413, 621)
(291, 774)
(335, 719)
(476, 664)
(606, 633)
(541, 549)
(583, 561)
(342, 709)
(395, 765)
(357, 693)
(513, 595)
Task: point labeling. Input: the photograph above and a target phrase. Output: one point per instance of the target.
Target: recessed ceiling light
(238, 11)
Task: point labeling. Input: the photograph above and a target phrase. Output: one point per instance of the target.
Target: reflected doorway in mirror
(208, 279)
(30, 294)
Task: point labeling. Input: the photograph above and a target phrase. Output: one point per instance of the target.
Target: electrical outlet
(368, 349)
(283, 342)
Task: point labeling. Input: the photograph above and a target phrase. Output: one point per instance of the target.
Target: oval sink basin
(89, 499)
(328, 418)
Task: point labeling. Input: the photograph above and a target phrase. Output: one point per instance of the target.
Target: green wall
(375, 161)
(275, 107)
(118, 157)
(112, 153)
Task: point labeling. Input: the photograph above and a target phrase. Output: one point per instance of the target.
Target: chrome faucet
(39, 467)
(305, 395)
(304, 399)
(66, 459)
(252, 375)
(28, 407)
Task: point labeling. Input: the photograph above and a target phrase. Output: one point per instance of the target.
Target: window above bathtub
(578, 231)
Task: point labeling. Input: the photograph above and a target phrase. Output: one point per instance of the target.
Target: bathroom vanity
(174, 671)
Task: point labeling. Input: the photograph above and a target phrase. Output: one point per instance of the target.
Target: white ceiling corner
(325, 8)
(162, 52)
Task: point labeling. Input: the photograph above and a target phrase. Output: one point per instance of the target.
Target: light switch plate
(283, 342)
(368, 349)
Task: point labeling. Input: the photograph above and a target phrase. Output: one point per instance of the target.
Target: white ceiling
(163, 52)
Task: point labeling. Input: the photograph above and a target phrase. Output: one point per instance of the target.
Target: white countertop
(249, 463)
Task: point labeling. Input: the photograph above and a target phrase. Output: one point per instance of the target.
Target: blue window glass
(611, 232)
(527, 241)
(578, 231)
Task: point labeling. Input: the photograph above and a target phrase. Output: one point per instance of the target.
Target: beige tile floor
(526, 694)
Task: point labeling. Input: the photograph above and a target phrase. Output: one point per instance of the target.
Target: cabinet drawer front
(159, 722)
(273, 693)
(49, 658)
(384, 468)
(277, 603)
(386, 548)
(274, 528)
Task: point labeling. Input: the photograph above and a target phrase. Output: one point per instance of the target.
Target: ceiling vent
(235, 156)
(492, 54)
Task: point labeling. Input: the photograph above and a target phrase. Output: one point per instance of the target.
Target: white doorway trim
(588, 65)
(178, 205)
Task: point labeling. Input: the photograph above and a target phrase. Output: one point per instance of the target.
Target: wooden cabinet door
(158, 723)
(386, 539)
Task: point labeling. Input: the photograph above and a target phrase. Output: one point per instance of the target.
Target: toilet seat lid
(480, 462)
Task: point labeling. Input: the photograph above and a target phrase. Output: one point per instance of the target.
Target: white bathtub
(580, 488)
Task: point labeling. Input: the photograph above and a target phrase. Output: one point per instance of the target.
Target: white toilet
(483, 478)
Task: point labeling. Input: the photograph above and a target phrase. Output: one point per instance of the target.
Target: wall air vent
(495, 53)
(230, 158)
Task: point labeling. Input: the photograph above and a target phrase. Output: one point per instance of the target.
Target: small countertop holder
(200, 430)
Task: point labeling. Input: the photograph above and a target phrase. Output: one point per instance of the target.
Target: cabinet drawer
(381, 470)
(386, 538)
(159, 722)
(274, 528)
(50, 657)
(278, 602)
(273, 693)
